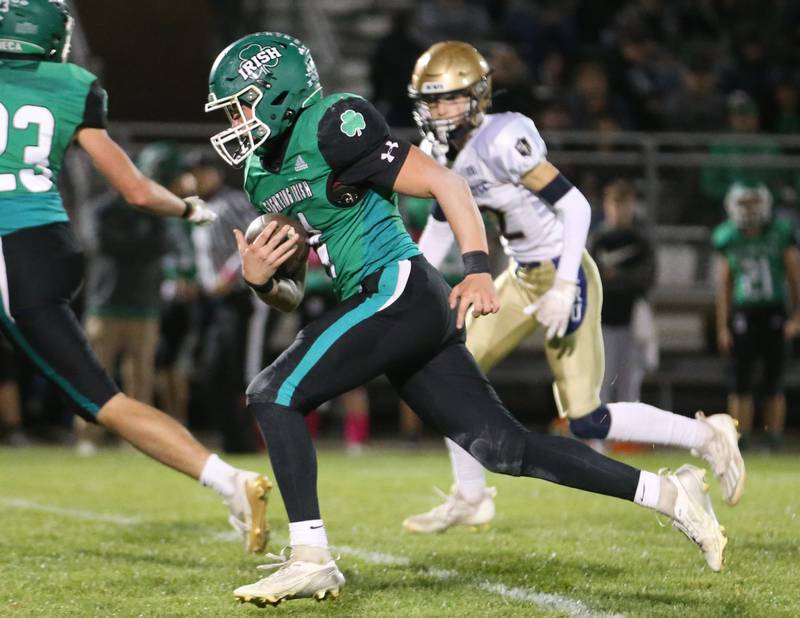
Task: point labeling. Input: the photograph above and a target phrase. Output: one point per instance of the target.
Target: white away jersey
(499, 152)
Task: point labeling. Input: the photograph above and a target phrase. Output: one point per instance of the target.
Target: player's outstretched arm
(136, 189)
(260, 263)
(421, 176)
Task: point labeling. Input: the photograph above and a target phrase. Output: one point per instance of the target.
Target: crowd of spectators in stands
(650, 65)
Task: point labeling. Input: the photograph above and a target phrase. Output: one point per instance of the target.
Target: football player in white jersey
(550, 281)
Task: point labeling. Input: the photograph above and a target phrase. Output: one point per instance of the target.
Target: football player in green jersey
(45, 104)
(331, 163)
(757, 255)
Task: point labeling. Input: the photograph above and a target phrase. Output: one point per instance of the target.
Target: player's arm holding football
(260, 263)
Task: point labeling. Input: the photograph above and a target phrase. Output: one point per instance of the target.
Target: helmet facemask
(448, 131)
(237, 142)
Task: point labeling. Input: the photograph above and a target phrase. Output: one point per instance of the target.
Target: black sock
(294, 460)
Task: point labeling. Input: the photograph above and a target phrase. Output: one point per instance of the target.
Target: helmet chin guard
(238, 141)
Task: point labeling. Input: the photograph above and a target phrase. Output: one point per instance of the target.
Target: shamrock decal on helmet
(352, 123)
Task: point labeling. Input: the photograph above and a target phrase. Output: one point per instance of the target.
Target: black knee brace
(593, 426)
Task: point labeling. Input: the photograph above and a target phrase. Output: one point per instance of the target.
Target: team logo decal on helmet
(262, 82)
(257, 61)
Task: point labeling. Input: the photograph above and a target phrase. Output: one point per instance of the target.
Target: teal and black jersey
(334, 172)
(42, 104)
(756, 262)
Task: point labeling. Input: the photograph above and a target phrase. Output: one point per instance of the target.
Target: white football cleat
(694, 515)
(248, 507)
(722, 454)
(294, 579)
(455, 511)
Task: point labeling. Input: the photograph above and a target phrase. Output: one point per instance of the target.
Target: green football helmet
(35, 28)
(270, 73)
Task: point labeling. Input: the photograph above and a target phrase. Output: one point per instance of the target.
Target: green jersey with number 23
(42, 104)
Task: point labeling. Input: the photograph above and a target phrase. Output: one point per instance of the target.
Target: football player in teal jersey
(757, 256)
(331, 163)
(45, 104)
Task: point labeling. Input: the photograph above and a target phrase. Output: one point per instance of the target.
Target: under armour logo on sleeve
(388, 156)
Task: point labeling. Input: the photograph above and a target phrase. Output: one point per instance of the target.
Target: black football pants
(401, 325)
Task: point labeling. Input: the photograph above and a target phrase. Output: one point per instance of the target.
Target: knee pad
(593, 426)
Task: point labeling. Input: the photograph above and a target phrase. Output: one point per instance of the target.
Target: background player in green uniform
(45, 103)
(757, 256)
(332, 163)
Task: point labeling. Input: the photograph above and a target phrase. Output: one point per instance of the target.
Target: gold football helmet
(448, 70)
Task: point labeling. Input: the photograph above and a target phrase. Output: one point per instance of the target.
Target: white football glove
(554, 307)
(197, 211)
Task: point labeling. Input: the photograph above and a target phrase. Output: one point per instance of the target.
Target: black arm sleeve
(96, 107)
(355, 141)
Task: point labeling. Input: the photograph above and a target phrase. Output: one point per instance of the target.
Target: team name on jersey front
(284, 198)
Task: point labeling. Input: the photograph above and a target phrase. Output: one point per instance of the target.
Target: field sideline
(116, 535)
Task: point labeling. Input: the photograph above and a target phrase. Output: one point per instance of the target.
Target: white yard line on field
(544, 600)
(30, 505)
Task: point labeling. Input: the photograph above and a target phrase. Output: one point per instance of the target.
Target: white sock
(468, 473)
(308, 532)
(640, 422)
(648, 490)
(219, 476)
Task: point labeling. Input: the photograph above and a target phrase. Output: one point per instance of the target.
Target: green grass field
(117, 535)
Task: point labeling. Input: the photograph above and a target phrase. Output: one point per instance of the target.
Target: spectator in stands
(592, 99)
(550, 77)
(234, 321)
(510, 81)
(626, 260)
(752, 67)
(743, 118)
(639, 73)
(757, 259)
(786, 102)
(443, 20)
(698, 105)
(124, 280)
(395, 56)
